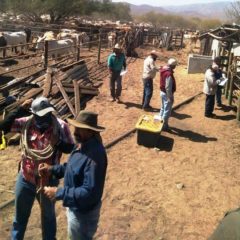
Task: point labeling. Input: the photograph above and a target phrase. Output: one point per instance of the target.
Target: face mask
(44, 122)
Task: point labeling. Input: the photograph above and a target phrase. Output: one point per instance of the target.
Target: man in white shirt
(149, 72)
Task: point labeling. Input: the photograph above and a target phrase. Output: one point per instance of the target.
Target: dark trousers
(147, 92)
(115, 79)
(219, 95)
(209, 104)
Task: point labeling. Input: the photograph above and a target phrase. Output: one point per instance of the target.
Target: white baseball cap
(172, 62)
(41, 106)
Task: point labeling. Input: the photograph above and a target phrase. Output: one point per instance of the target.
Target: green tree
(233, 11)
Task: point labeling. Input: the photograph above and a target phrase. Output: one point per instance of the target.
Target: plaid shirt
(39, 141)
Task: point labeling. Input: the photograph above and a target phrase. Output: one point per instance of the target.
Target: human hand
(27, 104)
(44, 170)
(50, 192)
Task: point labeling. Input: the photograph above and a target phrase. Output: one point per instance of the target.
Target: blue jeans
(24, 199)
(147, 92)
(82, 226)
(166, 109)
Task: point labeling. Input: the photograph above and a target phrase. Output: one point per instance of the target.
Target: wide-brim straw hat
(154, 52)
(87, 120)
(117, 46)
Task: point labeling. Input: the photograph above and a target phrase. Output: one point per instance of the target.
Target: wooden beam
(65, 96)
(77, 97)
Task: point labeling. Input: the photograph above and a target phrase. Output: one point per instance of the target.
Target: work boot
(118, 100)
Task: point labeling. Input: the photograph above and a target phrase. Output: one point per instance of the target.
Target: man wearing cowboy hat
(84, 177)
(116, 61)
(149, 73)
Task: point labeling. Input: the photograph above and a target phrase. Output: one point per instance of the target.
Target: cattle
(49, 35)
(83, 37)
(56, 48)
(65, 30)
(15, 38)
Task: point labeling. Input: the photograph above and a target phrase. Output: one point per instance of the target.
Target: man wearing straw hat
(116, 62)
(43, 139)
(149, 73)
(84, 177)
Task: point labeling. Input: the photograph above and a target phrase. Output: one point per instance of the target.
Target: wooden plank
(65, 96)
(90, 92)
(47, 83)
(77, 97)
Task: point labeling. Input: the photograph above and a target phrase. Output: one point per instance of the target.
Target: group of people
(117, 62)
(44, 138)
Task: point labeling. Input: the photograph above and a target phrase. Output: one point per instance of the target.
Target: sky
(160, 3)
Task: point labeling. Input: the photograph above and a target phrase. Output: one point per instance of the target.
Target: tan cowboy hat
(86, 119)
(154, 52)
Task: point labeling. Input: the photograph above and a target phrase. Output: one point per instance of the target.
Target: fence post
(45, 54)
(99, 47)
(90, 40)
(78, 47)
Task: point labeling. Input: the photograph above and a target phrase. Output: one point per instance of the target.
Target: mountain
(208, 10)
(205, 10)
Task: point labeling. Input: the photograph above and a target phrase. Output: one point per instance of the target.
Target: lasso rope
(34, 154)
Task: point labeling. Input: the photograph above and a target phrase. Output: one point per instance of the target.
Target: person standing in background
(210, 88)
(167, 90)
(149, 73)
(116, 62)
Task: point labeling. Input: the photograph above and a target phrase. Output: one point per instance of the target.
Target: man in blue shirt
(84, 177)
(116, 61)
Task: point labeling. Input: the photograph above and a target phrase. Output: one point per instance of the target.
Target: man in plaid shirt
(43, 139)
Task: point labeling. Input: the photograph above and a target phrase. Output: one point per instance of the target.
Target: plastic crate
(148, 131)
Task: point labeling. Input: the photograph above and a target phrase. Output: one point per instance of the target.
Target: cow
(56, 48)
(83, 37)
(15, 38)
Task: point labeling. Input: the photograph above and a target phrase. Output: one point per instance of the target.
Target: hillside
(206, 10)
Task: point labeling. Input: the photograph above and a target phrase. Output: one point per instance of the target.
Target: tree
(57, 9)
(233, 12)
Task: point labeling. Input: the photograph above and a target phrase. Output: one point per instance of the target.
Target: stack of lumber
(67, 88)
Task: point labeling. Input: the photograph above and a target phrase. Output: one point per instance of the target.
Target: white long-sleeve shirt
(149, 68)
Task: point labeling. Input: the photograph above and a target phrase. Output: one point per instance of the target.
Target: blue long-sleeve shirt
(84, 176)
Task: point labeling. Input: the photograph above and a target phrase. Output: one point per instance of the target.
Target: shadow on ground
(137, 105)
(226, 117)
(192, 136)
(10, 62)
(180, 116)
(165, 143)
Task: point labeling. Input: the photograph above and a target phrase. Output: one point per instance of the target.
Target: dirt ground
(141, 200)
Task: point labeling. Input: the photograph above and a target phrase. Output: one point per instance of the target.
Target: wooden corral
(224, 42)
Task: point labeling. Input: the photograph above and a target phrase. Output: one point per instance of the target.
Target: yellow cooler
(148, 130)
